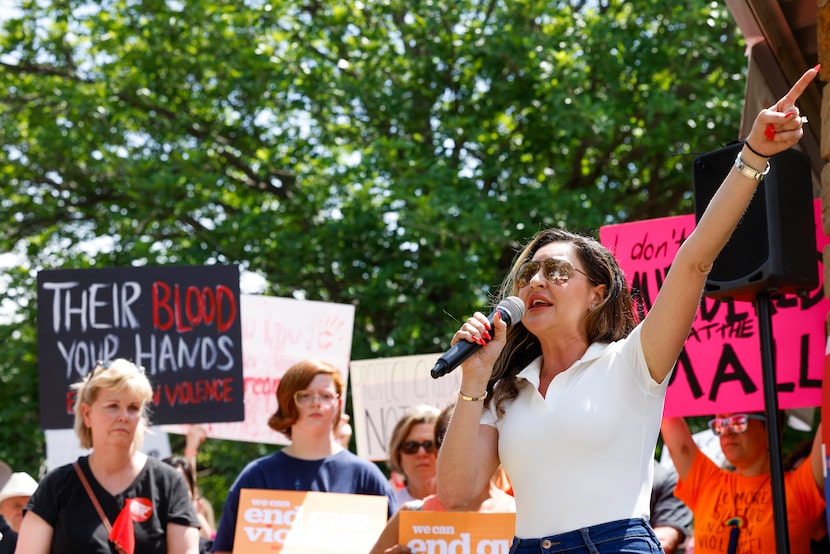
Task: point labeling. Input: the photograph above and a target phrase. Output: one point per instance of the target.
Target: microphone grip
(511, 310)
(453, 357)
(439, 370)
(462, 350)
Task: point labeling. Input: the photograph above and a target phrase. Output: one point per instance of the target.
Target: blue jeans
(630, 536)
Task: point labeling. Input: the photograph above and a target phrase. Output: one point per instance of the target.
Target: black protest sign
(181, 324)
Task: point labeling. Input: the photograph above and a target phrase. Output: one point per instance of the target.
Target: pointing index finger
(789, 99)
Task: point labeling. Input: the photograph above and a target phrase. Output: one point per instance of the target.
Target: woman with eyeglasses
(412, 453)
(733, 509)
(310, 402)
(116, 498)
(569, 400)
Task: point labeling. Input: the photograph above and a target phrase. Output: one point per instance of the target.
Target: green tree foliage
(388, 154)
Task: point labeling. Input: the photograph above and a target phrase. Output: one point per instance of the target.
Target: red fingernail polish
(486, 335)
(769, 132)
(789, 115)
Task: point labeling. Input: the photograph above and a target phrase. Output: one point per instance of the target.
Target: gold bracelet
(463, 396)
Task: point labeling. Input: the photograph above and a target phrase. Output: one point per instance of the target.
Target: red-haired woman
(310, 398)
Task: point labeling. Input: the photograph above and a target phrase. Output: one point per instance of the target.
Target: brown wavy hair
(297, 378)
(611, 320)
(443, 423)
(418, 414)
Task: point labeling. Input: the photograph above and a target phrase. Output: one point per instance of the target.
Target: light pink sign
(719, 369)
(277, 333)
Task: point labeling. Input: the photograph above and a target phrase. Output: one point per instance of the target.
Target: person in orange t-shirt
(733, 510)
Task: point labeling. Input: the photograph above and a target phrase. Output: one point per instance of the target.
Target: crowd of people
(566, 403)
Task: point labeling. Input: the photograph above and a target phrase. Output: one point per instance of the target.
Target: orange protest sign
(292, 522)
(456, 532)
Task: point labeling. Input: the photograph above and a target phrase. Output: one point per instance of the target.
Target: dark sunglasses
(735, 424)
(412, 447)
(555, 270)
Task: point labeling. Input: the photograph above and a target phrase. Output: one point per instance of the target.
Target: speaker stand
(779, 501)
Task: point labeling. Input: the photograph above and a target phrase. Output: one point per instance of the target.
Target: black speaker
(773, 249)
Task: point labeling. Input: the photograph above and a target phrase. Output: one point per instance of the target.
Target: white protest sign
(276, 334)
(63, 446)
(384, 389)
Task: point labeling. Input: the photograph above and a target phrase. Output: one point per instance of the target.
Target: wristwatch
(750, 172)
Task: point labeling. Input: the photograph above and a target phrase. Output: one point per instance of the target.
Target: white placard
(384, 389)
(63, 447)
(276, 334)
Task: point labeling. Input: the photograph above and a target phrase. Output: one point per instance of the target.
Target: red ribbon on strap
(123, 530)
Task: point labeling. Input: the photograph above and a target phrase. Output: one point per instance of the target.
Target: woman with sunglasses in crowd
(412, 453)
(491, 499)
(116, 498)
(310, 401)
(570, 399)
(733, 510)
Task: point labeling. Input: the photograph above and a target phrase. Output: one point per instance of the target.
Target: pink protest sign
(719, 369)
(277, 333)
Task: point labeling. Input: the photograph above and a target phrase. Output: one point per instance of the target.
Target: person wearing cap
(13, 497)
(14, 494)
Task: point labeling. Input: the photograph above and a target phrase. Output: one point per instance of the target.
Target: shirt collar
(531, 372)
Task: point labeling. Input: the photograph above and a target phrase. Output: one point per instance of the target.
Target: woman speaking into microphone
(569, 400)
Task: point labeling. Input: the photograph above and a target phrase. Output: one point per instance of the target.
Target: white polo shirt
(582, 455)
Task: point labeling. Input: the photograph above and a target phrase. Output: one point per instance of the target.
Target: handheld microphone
(512, 310)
